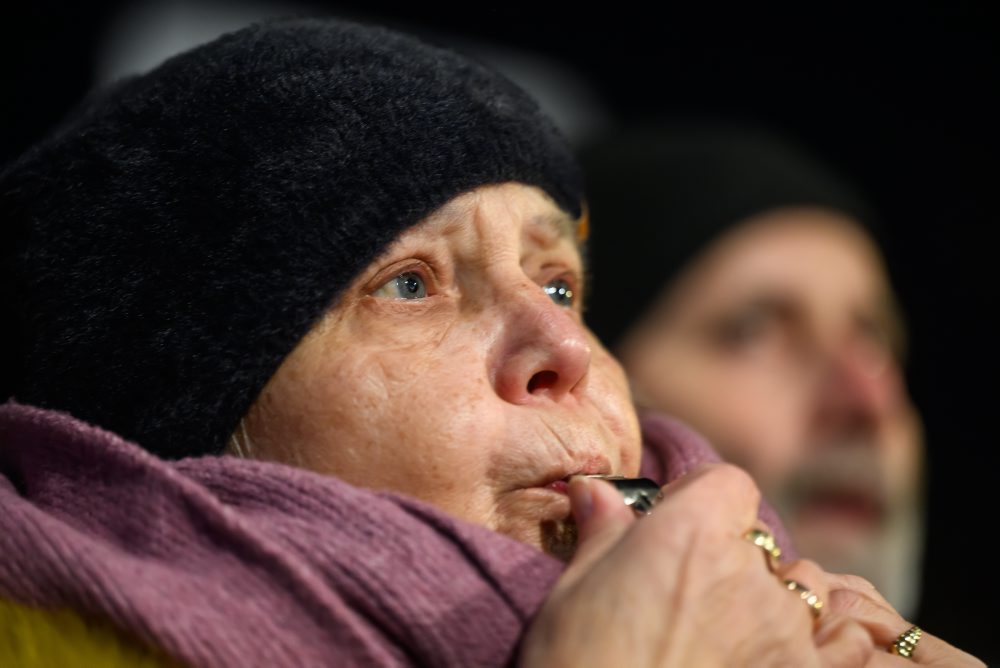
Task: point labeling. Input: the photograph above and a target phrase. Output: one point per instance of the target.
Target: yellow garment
(38, 638)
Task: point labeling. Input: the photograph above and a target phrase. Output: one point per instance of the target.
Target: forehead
(502, 208)
(807, 253)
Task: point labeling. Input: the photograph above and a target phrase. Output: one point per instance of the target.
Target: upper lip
(597, 465)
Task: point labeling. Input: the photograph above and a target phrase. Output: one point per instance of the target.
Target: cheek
(749, 416)
(903, 450)
(438, 432)
(320, 411)
(609, 389)
(406, 413)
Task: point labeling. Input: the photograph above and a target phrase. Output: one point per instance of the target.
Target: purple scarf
(220, 561)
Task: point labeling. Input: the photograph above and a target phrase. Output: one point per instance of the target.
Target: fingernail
(581, 499)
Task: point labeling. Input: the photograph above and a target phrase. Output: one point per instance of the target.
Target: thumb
(601, 518)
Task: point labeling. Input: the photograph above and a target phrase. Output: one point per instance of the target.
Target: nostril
(542, 380)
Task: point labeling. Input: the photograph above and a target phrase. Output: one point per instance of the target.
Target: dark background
(900, 101)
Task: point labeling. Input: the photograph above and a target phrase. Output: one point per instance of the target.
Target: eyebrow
(551, 227)
(885, 310)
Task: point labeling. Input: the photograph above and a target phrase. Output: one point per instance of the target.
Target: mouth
(538, 509)
(843, 490)
(558, 481)
(561, 485)
(842, 506)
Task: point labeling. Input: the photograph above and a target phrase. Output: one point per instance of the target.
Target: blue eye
(408, 285)
(560, 292)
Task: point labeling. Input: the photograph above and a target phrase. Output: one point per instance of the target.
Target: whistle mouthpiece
(639, 494)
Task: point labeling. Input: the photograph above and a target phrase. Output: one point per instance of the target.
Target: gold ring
(906, 642)
(811, 599)
(765, 541)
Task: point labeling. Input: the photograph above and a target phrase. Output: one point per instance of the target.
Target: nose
(543, 353)
(858, 387)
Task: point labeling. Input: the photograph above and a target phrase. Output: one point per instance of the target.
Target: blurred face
(456, 369)
(779, 344)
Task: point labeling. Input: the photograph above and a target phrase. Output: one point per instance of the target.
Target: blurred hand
(682, 587)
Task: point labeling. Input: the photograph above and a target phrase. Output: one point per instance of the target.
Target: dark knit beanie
(173, 240)
(659, 195)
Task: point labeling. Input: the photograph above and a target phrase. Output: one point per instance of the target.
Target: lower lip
(560, 486)
(853, 511)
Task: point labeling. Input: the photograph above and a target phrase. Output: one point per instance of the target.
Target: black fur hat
(167, 247)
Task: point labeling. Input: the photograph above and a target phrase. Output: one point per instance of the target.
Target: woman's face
(457, 369)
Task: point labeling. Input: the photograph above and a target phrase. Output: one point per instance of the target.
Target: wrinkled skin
(857, 598)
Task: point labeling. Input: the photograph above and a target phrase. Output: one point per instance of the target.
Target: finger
(857, 584)
(885, 626)
(842, 642)
(761, 536)
(601, 518)
(810, 579)
(884, 623)
(725, 495)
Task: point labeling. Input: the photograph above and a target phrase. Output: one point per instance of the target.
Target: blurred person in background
(742, 285)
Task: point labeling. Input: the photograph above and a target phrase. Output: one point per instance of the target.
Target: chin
(890, 558)
(559, 538)
(554, 536)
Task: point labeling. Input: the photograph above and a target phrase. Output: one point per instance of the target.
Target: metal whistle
(639, 494)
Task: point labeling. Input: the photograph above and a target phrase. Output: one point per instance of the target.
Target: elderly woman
(299, 377)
